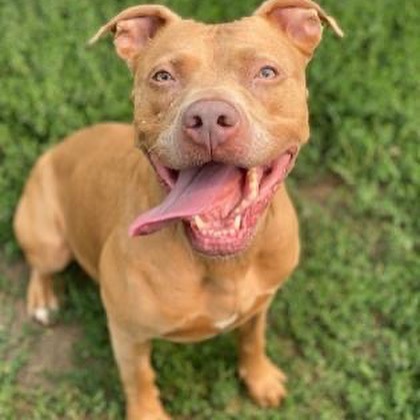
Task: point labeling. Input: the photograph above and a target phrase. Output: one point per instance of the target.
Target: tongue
(197, 191)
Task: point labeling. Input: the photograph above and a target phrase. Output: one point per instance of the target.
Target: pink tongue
(197, 191)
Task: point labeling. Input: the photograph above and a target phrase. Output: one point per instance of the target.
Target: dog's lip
(168, 176)
(232, 233)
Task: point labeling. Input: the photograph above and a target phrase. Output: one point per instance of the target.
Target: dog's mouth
(219, 204)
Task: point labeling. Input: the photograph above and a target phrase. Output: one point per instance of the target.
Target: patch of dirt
(16, 275)
(12, 316)
(50, 349)
(51, 355)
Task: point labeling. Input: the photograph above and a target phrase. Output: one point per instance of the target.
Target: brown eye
(267, 73)
(163, 76)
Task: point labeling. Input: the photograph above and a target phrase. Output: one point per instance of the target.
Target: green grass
(344, 328)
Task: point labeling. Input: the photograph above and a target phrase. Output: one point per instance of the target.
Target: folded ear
(134, 27)
(301, 20)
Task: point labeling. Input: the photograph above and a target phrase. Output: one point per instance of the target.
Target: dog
(192, 235)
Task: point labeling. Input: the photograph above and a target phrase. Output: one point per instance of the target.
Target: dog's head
(220, 110)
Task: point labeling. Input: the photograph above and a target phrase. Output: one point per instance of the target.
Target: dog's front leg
(262, 378)
(138, 377)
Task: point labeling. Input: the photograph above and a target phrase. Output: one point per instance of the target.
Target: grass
(344, 328)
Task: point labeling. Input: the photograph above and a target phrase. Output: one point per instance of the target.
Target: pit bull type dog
(193, 234)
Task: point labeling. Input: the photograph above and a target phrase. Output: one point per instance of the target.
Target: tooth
(252, 176)
(253, 183)
(201, 224)
(237, 223)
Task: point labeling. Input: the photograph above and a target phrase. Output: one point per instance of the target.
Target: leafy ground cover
(345, 327)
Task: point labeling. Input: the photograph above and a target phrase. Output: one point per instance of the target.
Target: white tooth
(254, 192)
(201, 224)
(252, 175)
(237, 223)
(253, 183)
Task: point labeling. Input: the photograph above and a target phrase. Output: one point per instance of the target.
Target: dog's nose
(211, 123)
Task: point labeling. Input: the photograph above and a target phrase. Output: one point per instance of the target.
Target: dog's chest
(223, 305)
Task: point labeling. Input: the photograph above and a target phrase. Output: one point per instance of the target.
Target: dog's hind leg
(40, 232)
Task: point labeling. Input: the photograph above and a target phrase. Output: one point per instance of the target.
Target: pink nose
(211, 123)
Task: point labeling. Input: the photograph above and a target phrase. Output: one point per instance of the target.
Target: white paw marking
(42, 315)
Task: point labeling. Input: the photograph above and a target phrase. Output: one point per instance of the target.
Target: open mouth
(219, 204)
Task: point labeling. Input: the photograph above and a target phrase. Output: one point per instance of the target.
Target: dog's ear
(134, 27)
(301, 20)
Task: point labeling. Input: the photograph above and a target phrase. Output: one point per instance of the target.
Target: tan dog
(220, 114)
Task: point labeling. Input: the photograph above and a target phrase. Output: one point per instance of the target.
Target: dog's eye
(267, 73)
(163, 76)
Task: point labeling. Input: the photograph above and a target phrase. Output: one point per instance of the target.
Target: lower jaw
(210, 248)
(222, 247)
(232, 245)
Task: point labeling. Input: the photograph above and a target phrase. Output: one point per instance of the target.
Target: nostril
(198, 122)
(226, 121)
(194, 122)
(222, 121)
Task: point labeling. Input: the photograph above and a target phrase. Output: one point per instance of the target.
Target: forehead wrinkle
(264, 36)
(223, 51)
(177, 58)
(253, 54)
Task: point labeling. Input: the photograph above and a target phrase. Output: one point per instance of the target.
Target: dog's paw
(265, 382)
(42, 307)
(44, 316)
